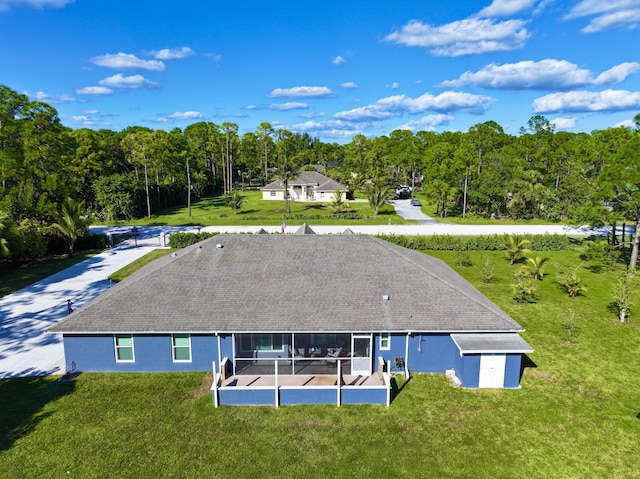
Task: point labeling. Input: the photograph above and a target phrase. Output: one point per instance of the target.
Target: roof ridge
(389, 247)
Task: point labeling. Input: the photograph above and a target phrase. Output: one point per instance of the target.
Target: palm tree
(338, 204)
(234, 201)
(286, 171)
(515, 247)
(69, 222)
(378, 193)
(535, 265)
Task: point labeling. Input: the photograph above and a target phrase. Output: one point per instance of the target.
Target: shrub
(545, 242)
(182, 240)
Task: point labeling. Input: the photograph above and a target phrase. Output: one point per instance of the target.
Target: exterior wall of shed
(468, 370)
(152, 353)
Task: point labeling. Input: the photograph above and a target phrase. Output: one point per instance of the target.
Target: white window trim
(173, 350)
(388, 338)
(116, 347)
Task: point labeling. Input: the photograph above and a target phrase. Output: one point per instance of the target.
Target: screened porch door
(361, 360)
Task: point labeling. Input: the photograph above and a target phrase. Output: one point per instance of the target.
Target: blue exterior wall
(247, 397)
(512, 371)
(431, 353)
(152, 353)
(397, 348)
(364, 396)
(308, 396)
(470, 374)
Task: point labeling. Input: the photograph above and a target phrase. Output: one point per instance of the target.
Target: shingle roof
(307, 178)
(291, 283)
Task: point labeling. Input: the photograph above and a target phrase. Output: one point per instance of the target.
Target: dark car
(415, 202)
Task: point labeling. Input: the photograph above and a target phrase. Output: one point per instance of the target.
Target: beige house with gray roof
(306, 186)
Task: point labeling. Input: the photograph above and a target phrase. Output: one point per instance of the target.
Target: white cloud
(471, 36)
(428, 122)
(185, 115)
(43, 97)
(302, 92)
(133, 81)
(587, 101)
(564, 123)
(292, 105)
(127, 61)
(606, 15)
(506, 8)
(549, 74)
(94, 90)
(319, 114)
(349, 85)
(7, 4)
(399, 105)
(626, 124)
(329, 128)
(173, 53)
(338, 60)
(395, 85)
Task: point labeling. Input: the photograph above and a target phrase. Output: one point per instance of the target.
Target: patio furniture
(332, 357)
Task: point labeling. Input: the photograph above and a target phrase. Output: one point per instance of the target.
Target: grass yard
(212, 211)
(577, 414)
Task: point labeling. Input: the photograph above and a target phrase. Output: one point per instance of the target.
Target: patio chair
(295, 353)
(332, 357)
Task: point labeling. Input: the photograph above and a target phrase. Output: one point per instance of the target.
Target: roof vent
(219, 246)
(385, 298)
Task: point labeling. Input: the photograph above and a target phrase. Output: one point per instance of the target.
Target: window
(385, 341)
(272, 193)
(261, 342)
(124, 348)
(181, 347)
(322, 195)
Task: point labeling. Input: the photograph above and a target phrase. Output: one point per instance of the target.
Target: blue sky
(332, 69)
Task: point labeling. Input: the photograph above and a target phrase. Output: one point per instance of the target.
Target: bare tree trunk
(146, 187)
(188, 190)
(464, 200)
(636, 243)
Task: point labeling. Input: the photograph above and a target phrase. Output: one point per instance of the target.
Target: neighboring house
(307, 186)
(291, 319)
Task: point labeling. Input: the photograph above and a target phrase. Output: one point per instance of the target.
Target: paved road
(26, 349)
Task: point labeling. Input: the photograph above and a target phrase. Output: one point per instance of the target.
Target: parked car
(415, 202)
(403, 192)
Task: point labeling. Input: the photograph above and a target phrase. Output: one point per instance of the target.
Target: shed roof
(291, 283)
(490, 343)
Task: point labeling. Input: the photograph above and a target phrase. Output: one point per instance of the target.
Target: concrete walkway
(26, 349)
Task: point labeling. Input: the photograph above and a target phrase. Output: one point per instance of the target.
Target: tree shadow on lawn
(22, 400)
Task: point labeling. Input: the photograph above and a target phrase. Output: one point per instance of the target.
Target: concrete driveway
(407, 211)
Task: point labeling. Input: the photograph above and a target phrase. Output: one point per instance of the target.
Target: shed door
(492, 370)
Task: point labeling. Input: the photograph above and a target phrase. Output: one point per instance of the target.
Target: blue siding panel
(308, 396)
(397, 348)
(364, 396)
(432, 353)
(152, 353)
(471, 375)
(247, 397)
(512, 371)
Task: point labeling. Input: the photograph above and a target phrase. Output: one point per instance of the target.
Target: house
(290, 319)
(306, 186)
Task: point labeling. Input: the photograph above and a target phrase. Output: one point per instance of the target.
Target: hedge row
(545, 242)
(180, 239)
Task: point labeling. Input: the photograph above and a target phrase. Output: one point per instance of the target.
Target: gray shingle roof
(307, 178)
(291, 283)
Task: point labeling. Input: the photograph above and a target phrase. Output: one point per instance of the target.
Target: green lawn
(212, 211)
(577, 414)
(15, 276)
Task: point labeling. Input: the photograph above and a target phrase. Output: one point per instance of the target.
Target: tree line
(133, 173)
